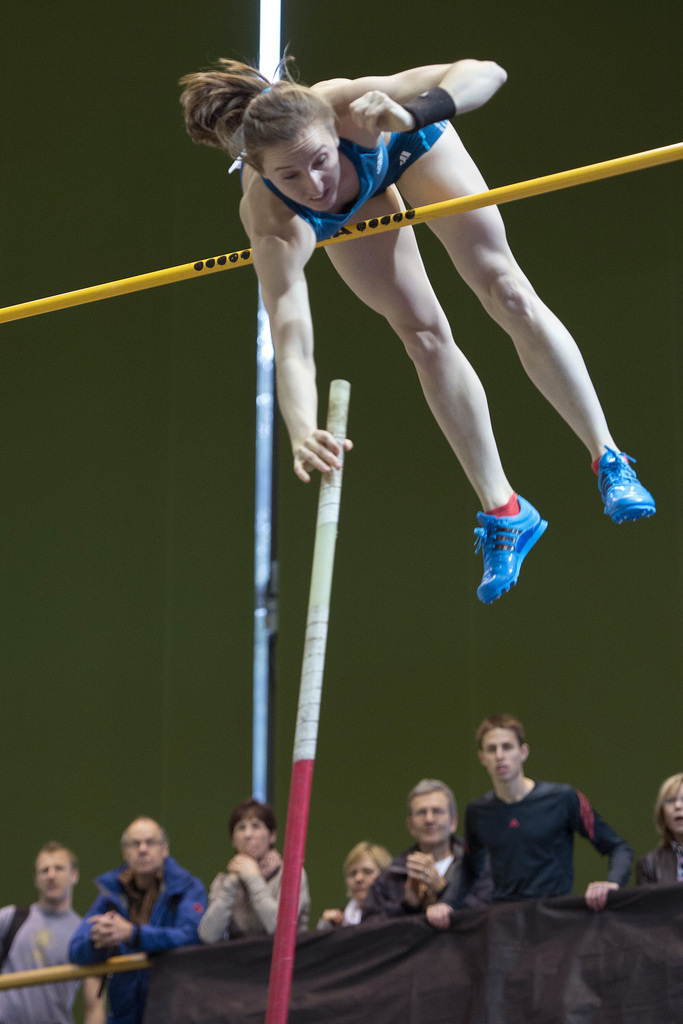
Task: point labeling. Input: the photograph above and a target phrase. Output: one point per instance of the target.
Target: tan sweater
(255, 916)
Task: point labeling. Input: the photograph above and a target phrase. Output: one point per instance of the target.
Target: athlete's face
(502, 755)
(673, 814)
(307, 169)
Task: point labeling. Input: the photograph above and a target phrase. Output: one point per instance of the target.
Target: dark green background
(127, 437)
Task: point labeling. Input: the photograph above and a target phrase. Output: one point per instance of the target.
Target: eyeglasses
(422, 812)
(135, 844)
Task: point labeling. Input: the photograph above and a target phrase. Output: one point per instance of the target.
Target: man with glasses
(148, 905)
(415, 879)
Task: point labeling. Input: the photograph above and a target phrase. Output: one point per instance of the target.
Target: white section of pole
(306, 735)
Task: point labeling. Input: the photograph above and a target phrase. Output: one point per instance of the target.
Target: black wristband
(432, 106)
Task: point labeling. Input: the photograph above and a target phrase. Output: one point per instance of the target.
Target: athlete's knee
(512, 299)
(425, 347)
(424, 339)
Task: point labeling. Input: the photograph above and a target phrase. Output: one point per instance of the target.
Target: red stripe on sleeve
(587, 815)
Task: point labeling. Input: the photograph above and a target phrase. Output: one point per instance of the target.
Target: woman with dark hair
(243, 899)
(664, 866)
(317, 158)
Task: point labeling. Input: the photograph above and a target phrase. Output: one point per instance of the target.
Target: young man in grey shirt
(42, 940)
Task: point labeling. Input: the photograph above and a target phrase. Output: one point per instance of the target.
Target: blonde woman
(664, 866)
(361, 867)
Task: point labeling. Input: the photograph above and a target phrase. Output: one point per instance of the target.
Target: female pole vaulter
(346, 150)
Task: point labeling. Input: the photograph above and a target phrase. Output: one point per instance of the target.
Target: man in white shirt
(416, 878)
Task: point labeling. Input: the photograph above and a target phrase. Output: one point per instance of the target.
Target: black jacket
(385, 898)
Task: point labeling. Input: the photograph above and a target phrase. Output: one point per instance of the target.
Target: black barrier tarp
(541, 962)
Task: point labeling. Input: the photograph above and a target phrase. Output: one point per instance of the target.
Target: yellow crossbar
(493, 197)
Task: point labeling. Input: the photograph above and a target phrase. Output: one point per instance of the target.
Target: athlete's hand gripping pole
(306, 733)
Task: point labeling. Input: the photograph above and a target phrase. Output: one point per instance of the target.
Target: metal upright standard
(265, 495)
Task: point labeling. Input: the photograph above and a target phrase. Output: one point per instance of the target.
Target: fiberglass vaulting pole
(265, 526)
(308, 716)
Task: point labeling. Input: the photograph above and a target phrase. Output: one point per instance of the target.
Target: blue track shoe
(505, 541)
(624, 496)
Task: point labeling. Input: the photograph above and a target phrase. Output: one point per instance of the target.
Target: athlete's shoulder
(263, 213)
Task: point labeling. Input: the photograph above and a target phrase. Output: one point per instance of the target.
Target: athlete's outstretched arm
(376, 102)
(279, 260)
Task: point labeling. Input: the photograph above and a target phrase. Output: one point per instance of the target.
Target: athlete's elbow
(495, 72)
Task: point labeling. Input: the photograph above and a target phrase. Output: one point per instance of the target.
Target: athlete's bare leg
(479, 249)
(386, 272)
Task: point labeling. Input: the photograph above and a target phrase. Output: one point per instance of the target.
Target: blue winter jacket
(173, 922)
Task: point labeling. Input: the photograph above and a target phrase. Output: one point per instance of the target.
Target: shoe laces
(618, 468)
(495, 536)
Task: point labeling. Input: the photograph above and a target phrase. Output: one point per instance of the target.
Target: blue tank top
(370, 165)
(377, 168)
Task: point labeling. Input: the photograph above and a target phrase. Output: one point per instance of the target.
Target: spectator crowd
(518, 845)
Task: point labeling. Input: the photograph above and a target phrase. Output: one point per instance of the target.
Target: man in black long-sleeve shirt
(527, 828)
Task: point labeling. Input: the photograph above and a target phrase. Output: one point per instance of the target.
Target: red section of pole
(282, 964)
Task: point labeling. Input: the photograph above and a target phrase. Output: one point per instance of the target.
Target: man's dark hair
(501, 722)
